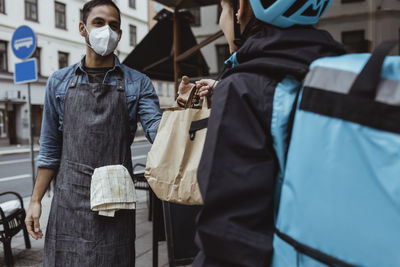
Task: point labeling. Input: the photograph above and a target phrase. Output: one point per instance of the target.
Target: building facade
(363, 24)
(206, 23)
(59, 44)
(359, 24)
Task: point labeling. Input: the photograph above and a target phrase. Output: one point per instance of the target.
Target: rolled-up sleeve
(149, 109)
(50, 136)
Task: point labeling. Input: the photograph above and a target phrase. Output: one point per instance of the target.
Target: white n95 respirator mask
(103, 40)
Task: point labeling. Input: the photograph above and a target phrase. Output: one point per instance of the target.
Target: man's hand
(32, 220)
(184, 90)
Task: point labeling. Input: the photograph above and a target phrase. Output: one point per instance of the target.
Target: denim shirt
(141, 99)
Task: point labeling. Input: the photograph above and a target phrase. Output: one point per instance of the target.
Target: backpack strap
(366, 83)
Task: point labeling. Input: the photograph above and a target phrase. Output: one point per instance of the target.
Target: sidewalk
(33, 257)
(17, 149)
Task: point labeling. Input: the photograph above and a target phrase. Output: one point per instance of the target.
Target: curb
(17, 151)
(139, 139)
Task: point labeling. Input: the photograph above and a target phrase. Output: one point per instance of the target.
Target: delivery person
(273, 43)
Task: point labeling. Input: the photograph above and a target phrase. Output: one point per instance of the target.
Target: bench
(12, 217)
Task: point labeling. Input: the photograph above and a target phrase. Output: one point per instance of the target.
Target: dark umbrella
(154, 54)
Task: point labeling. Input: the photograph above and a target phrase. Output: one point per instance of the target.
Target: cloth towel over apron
(112, 189)
(96, 133)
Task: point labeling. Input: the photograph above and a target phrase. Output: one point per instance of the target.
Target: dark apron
(96, 133)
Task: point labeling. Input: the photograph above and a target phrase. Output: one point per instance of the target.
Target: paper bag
(172, 163)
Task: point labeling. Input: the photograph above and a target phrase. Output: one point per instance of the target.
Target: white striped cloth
(10, 207)
(112, 189)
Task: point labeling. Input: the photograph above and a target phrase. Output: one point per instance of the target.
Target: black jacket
(238, 166)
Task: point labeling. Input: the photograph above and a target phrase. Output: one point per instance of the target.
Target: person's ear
(120, 35)
(82, 29)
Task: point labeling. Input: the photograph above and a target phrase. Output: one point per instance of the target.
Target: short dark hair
(93, 3)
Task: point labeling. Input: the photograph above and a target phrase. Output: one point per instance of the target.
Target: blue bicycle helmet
(286, 13)
(281, 13)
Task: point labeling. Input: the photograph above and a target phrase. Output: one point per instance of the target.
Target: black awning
(153, 56)
(188, 3)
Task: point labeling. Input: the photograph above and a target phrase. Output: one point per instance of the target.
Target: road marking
(141, 145)
(139, 157)
(23, 176)
(28, 160)
(15, 161)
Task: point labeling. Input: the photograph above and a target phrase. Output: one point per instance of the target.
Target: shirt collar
(80, 65)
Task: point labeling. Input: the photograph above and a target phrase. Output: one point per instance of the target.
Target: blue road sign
(25, 71)
(23, 42)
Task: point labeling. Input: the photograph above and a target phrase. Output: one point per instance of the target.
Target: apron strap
(120, 82)
(73, 81)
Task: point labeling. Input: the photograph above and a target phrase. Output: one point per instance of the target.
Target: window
(355, 42)
(31, 10)
(62, 60)
(132, 3)
(61, 22)
(3, 56)
(81, 14)
(222, 55)
(2, 124)
(2, 7)
(132, 35)
(196, 17)
(36, 55)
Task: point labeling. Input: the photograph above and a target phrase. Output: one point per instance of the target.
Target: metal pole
(176, 39)
(31, 135)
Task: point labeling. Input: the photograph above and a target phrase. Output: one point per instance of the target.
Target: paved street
(15, 169)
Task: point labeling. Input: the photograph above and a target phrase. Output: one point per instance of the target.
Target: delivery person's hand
(32, 220)
(205, 87)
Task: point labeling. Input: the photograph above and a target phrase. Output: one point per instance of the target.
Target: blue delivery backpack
(340, 193)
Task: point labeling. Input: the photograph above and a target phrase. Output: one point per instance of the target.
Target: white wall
(137, 17)
(208, 27)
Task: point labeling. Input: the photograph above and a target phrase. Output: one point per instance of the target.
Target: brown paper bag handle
(189, 102)
(206, 103)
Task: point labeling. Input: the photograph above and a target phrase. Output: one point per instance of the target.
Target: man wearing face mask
(89, 121)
